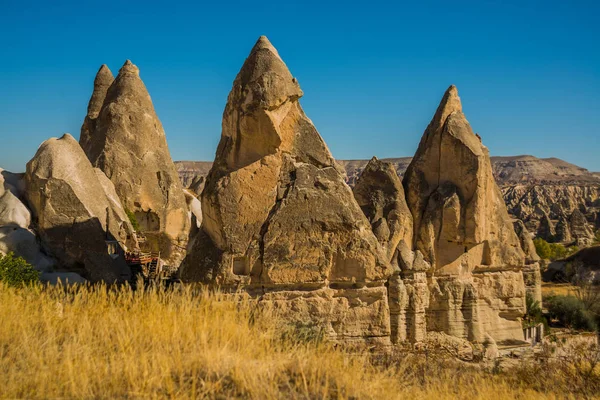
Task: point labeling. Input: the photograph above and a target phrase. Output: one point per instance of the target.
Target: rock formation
(380, 195)
(529, 185)
(463, 230)
(76, 210)
(15, 220)
(580, 229)
(278, 217)
(545, 209)
(563, 232)
(128, 144)
(531, 272)
(104, 78)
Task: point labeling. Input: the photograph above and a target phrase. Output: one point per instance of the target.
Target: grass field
(102, 343)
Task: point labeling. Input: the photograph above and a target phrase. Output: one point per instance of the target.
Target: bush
(551, 251)
(15, 271)
(133, 220)
(571, 312)
(534, 313)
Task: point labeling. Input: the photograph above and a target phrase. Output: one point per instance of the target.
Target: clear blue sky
(528, 72)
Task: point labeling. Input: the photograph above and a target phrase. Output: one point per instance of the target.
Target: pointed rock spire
(275, 208)
(450, 189)
(104, 78)
(129, 145)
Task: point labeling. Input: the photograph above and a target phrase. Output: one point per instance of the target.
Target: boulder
(24, 243)
(12, 210)
(76, 213)
(129, 145)
(462, 228)
(278, 217)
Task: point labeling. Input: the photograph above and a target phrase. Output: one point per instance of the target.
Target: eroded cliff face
(125, 139)
(567, 214)
(278, 216)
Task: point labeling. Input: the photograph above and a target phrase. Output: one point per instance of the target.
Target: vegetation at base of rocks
(15, 271)
(571, 312)
(132, 218)
(185, 342)
(534, 314)
(597, 236)
(552, 251)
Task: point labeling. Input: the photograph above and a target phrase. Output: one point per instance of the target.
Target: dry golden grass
(558, 289)
(96, 342)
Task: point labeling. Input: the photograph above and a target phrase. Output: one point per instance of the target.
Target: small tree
(551, 251)
(570, 312)
(15, 271)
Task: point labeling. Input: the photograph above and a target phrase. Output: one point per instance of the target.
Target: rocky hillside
(533, 188)
(507, 170)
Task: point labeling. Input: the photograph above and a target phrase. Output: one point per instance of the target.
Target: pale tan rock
(460, 220)
(23, 243)
(456, 347)
(276, 210)
(104, 78)
(129, 145)
(76, 211)
(348, 316)
(580, 229)
(462, 228)
(526, 241)
(13, 211)
(380, 195)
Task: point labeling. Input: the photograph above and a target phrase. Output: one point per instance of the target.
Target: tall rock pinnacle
(130, 146)
(275, 208)
(451, 192)
(104, 78)
(462, 228)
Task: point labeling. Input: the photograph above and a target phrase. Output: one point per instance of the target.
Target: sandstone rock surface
(462, 228)
(128, 144)
(380, 194)
(104, 78)
(75, 212)
(278, 217)
(527, 183)
(276, 210)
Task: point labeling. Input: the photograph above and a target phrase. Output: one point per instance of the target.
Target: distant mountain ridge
(508, 170)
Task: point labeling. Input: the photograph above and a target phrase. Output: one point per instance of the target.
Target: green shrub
(571, 312)
(598, 235)
(15, 271)
(534, 314)
(551, 251)
(133, 220)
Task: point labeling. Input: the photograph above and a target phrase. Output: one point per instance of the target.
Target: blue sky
(528, 72)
